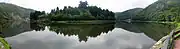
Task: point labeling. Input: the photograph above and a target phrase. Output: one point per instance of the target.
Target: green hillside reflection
(152, 30)
(82, 30)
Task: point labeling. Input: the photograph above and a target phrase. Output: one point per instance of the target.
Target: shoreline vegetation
(161, 11)
(85, 22)
(158, 12)
(83, 14)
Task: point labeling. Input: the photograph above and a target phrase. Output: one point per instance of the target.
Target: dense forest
(82, 12)
(161, 10)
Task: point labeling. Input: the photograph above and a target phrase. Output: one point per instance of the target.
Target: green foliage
(35, 15)
(4, 43)
(10, 13)
(177, 26)
(83, 12)
(162, 10)
(83, 4)
(13, 12)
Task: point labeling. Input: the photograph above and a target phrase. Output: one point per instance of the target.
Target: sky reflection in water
(116, 39)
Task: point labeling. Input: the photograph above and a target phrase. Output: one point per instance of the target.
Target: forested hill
(13, 17)
(162, 10)
(128, 14)
(82, 12)
(13, 12)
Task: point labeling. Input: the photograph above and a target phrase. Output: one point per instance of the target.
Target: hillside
(127, 14)
(10, 12)
(162, 10)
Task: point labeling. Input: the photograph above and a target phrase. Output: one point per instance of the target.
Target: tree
(70, 7)
(57, 9)
(83, 12)
(65, 7)
(83, 4)
(53, 11)
(35, 15)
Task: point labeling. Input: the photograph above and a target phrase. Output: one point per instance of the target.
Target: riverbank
(151, 22)
(137, 21)
(173, 39)
(85, 22)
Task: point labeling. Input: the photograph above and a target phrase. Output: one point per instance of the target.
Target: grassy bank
(85, 22)
(177, 25)
(152, 22)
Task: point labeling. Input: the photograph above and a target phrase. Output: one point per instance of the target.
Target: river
(119, 35)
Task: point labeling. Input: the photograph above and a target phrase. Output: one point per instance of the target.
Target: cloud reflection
(116, 39)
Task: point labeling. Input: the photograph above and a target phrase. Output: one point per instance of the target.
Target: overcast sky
(113, 5)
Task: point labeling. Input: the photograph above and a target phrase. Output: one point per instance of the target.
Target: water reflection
(128, 26)
(84, 36)
(155, 30)
(116, 39)
(9, 29)
(82, 30)
(37, 26)
(152, 30)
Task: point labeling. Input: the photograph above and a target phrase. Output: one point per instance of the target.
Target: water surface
(86, 36)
